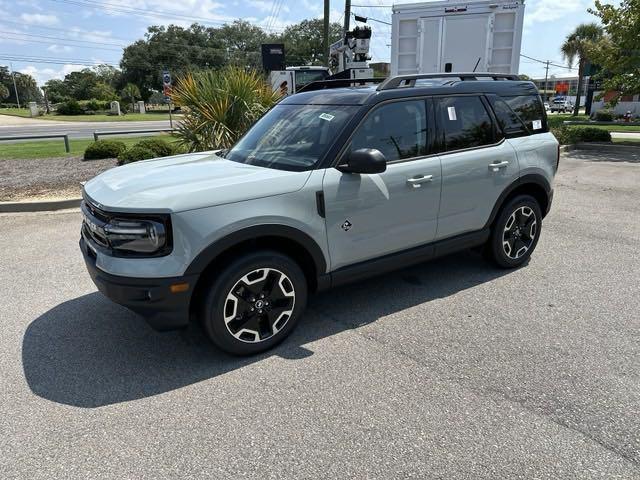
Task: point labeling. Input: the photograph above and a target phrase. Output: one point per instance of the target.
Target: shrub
(603, 116)
(158, 146)
(568, 135)
(70, 107)
(134, 154)
(93, 105)
(221, 105)
(104, 149)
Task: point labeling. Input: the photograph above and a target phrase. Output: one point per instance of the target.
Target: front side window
(292, 137)
(466, 123)
(398, 130)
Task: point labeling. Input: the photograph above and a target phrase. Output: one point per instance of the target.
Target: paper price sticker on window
(452, 113)
(537, 124)
(326, 116)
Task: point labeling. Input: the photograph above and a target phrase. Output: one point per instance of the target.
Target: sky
(50, 38)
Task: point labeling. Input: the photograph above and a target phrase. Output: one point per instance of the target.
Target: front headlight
(136, 236)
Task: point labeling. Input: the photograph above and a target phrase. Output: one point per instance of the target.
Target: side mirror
(364, 160)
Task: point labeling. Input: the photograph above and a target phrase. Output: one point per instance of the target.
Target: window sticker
(452, 113)
(537, 124)
(326, 116)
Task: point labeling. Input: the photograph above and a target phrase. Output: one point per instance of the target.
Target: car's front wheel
(254, 302)
(515, 233)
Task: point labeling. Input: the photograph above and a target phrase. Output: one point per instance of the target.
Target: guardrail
(37, 137)
(97, 134)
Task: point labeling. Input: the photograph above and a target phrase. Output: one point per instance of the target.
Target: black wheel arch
(533, 184)
(285, 239)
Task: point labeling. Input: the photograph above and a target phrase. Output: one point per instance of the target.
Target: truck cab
(292, 79)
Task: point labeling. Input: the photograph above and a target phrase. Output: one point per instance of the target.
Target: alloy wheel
(519, 232)
(259, 305)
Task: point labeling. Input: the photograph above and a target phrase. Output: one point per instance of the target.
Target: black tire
(509, 236)
(238, 287)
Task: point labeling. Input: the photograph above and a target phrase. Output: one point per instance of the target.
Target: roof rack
(400, 81)
(339, 83)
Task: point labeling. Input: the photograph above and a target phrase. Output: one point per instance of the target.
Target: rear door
(368, 216)
(477, 163)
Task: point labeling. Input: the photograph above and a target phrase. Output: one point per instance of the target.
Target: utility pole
(325, 38)
(15, 88)
(347, 16)
(546, 75)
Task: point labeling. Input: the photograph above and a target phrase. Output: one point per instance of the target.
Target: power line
(374, 19)
(546, 61)
(105, 6)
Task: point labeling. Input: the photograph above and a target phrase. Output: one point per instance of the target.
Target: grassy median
(55, 148)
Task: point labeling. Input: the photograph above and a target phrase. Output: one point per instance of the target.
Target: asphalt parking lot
(452, 369)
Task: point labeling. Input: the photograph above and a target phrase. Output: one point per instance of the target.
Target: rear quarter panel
(537, 154)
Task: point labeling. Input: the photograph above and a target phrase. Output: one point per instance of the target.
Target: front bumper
(150, 297)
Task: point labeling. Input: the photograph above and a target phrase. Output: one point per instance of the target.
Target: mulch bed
(47, 178)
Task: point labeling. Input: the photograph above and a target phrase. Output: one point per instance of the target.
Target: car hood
(187, 182)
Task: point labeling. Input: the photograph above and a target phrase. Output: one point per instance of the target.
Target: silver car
(332, 185)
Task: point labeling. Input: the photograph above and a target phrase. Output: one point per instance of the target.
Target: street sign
(166, 78)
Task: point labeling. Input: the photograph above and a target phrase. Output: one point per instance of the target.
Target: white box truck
(454, 36)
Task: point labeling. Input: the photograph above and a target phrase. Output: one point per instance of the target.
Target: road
(452, 369)
(73, 129)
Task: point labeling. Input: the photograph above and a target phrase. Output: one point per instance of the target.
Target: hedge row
(143, 150)
(570, 134)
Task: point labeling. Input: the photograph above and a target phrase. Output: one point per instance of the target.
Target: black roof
(369, 94)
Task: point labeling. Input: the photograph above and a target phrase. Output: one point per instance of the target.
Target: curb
(600, 147)
(44, 206)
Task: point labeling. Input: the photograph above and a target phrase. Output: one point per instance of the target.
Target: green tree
(618, 52)
(303, 41)
(56, 91)
(28, 90)
(176, 48)
(131, 92)
(576, 46)
(103, 91)
(4, 92)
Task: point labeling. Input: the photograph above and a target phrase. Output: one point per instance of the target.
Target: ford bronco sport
(332, 185)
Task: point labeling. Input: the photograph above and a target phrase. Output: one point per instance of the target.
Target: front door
(368, 216)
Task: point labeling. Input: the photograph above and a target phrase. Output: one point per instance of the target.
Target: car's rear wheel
(515, 233)
(254, 302)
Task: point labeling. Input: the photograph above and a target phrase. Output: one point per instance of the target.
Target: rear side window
(508, 120)
(398, 130)
(530, 110)
(466, 123)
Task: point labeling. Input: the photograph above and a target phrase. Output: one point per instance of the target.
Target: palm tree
(220, 106)
(131, 91)
(575, 46)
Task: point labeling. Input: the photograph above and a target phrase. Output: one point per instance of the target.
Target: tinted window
(466, 123)
(530, 110)
(398, 130)
(291, 137)
(509, 121)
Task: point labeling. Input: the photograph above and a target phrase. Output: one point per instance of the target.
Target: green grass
(130, 117)
(635, 142)
(55, 148)
(15, 112)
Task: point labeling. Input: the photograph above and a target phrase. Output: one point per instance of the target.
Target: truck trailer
(454, 36)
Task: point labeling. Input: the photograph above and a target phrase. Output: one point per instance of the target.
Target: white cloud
(42, 75)
(39, 19)
(552, 10)
(59, 48)
(89, 35)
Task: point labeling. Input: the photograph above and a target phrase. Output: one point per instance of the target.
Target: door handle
(416, 182)
(494, 167)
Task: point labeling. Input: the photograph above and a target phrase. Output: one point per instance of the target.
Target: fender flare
(528, 179)
(207, 255)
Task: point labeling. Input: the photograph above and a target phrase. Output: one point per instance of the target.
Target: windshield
(291, 137)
